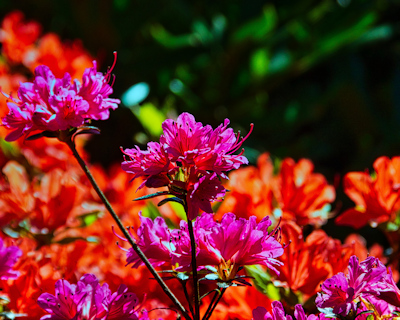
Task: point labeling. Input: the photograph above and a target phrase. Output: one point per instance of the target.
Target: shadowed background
(319, 79)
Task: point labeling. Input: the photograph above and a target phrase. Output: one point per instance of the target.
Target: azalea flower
(308, 261)
(226, 246)
(189, 159)
(365, 279)
(89, 300)
(8, 258)
(377, 196)
(295, 193)
(278, 313)
(49, 104)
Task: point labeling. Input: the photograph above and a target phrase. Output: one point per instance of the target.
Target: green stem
(126, 234)
(194, 271)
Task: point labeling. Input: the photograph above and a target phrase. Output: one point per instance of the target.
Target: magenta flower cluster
(278, 313)
(8, 258)
(189, 159)
(52, 104)
(89, 300)
(368, 280)
(225, 245)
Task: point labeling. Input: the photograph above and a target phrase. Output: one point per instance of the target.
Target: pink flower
(88, 300)
(154, 240)
(195, 145)
(226, 245)
(51, 104)
(342, 293)
(189, 160)
(96, 90)
(278, 313)
(153, 164)
(233, 243)
(201, 193)
(8, 257)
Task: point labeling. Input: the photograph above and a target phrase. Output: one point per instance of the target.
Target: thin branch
(135, 247)
(215, 304)
(183, 283)
(194, 271)
(217, 293)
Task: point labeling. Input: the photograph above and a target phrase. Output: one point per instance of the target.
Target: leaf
(211, 276)
(150, 117)
(35, 136)
(258, 28)
(225, 285)
(182, 276)
(70, 240)
(86, 130)
(262, 281)
(88, 218)
(173, 199)
(153, 195)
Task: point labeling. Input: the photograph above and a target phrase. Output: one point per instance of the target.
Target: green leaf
(182, 276)
(150, 117)
(262, 281)
(211, 276)
(259, 63)
(153, 195)
(257, 29)
(173, 199)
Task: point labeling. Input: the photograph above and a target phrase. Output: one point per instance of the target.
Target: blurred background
(319, 79)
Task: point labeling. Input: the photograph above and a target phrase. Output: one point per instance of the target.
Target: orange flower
(377, 197)
(238, 303)
(60, 57)
(16, 196)
(296, 193)
(308, 263)
(18, 36)
(250, 190)
(303, 196)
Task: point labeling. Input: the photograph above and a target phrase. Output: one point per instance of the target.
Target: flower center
(227, 270)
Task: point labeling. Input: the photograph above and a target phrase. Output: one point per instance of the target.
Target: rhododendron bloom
(154, 241)
(88, 300)
(189, 159)
(296, 193)
(342, 293)
(225, 245)
(377, 197)
(8, 257)
(307, 262)
(52, 104)
(233, 243)
(278, 313)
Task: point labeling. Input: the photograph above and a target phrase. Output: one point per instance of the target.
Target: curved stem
(215, 304)
(194, 271)
(183, 283)
(217, 292)
(126, 234)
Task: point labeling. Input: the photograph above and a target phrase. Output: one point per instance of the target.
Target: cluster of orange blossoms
(49, 210)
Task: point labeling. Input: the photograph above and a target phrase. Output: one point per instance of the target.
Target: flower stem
(126, 234)
(183, 283)
(194, 271)
(211, 303)
(215, 304)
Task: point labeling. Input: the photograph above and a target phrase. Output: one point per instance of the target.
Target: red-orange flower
(18, 36)
(377, 196)
(308, 262)
(296, 193)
